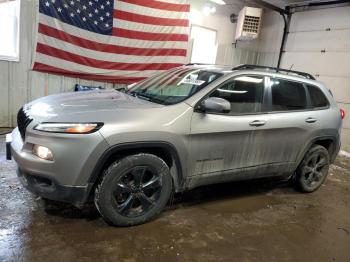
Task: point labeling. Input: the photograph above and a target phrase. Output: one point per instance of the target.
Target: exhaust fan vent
(248, 23)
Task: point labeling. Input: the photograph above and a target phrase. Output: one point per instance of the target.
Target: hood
(98, 101)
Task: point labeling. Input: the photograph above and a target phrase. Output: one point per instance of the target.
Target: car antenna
(290, 68)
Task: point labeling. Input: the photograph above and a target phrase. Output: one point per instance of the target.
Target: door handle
(257, 123)
(310, 120)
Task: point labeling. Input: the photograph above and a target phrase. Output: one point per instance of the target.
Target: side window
(318, 99)
(287, 95)
(245, 93)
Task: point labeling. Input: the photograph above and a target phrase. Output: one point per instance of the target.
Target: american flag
(121, 41)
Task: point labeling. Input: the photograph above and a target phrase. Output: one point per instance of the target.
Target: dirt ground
(251, 221)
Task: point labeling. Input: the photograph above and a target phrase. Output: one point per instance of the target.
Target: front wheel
(313, 170)
(133, 190)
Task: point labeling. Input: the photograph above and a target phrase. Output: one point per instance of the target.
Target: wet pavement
(248, 221)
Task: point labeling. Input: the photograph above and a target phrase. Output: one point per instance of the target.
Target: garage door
(319, 43)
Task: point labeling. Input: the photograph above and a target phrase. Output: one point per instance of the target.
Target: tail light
(342, 113)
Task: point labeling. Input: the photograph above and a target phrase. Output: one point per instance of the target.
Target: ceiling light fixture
(219, 2)
(208, 9)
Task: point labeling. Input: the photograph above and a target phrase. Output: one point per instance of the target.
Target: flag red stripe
(144, 19)
(114, 79)
(101, 47)
(148, 36)
(160, 5)
(51, 51)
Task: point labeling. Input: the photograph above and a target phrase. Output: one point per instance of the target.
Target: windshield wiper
(144, 97)
(140, 95)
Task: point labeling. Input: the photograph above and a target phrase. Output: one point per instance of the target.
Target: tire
(133, 190)
(313, 170)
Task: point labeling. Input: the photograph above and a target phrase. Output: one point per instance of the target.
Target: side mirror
(215, 104)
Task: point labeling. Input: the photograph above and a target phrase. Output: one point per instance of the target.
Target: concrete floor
(252, 221)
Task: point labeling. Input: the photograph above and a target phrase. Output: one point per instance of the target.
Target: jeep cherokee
(190, 126)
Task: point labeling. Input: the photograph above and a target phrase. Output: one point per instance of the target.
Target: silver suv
(129, 150)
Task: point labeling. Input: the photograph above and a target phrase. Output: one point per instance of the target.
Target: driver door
(224, 142)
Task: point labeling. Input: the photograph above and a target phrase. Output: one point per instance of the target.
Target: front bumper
(50, 189)
(8, 146)
(67, 177)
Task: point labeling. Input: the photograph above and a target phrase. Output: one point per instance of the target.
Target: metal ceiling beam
(312, 5)
(270, 6)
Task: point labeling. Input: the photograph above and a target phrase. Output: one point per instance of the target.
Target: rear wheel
(313, 170)
(133, 190)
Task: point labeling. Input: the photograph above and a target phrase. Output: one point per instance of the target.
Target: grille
(23, 120)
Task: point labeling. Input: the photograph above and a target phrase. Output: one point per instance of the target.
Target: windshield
(173, 86)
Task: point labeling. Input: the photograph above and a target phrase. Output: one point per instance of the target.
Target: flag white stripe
(109, 57)
(142, 10)
(183, 2)
(78, 68)
(107, 39)
(128, 25)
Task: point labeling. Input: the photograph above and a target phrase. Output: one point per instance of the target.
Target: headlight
(70, 128)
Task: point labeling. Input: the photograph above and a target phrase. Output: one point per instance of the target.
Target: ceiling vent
(248, 24)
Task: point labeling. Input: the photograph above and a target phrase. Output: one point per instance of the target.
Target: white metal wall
(19, 85)
(318, 43)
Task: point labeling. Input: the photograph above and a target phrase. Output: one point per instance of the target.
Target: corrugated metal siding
(229, 55)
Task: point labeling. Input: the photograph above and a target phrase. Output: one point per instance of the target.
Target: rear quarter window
(287, 95)
(317, 97)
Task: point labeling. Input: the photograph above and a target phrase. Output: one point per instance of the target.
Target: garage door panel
(340, 87)
(308, 36)
(330, 18)
(345, 139)
(327, 64)
(316, 41)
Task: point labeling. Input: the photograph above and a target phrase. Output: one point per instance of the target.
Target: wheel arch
(329, 142)
(164, 150)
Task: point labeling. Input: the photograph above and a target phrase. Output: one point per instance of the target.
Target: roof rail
(191, 64)
(246, 66)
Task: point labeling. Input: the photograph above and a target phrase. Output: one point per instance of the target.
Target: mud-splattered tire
(133, 190)
(313, 170)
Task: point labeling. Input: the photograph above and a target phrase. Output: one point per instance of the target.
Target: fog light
(42, 152)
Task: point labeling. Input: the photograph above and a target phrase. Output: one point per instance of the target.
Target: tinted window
(245, 94)
(287, 95)
(318, 99)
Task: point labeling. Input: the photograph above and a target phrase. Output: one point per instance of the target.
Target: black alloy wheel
(133, 190)
(313, 170)
(137, 190)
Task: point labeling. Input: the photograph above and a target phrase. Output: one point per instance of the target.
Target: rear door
(288, 125)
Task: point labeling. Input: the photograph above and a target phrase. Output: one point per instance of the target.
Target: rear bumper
(50, 189)
(336, 150)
